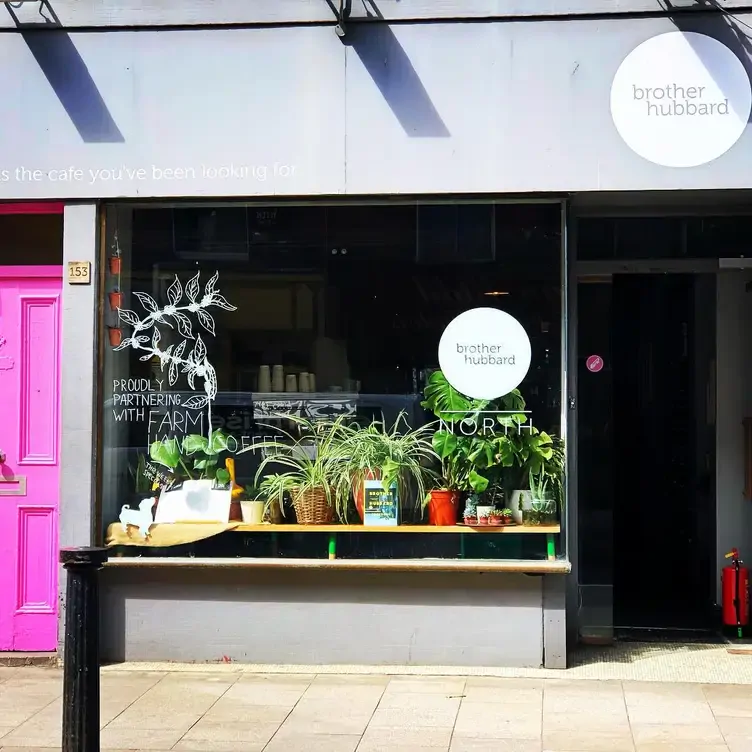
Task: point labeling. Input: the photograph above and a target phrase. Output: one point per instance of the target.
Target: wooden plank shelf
(509, 529)
(521, 566)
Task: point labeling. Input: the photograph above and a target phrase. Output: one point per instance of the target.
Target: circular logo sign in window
(484, 353)
(681, 99)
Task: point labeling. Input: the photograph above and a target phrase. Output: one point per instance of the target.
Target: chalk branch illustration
(179, 358)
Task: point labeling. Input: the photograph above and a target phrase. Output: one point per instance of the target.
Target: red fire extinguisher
(735, 592)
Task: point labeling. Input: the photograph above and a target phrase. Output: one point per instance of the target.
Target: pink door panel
(30, 462)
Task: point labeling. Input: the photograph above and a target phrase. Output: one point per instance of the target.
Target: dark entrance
(646, 446)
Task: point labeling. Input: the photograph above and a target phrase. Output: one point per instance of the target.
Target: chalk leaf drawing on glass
(189, 356)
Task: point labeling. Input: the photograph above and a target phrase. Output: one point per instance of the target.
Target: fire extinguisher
(735, 592)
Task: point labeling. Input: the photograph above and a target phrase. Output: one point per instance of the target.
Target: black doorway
(646, 448)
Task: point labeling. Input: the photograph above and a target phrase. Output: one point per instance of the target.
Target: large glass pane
(270, 366)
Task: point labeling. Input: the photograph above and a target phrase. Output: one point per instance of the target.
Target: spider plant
(310, 460)
(398, 455)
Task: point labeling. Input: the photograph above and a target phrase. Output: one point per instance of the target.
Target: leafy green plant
(504, 450)
(312, 461)
(399, 455)
(195, 457)
(472, 462)
(545, 467)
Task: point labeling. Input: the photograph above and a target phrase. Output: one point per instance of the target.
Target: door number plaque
(79, 272)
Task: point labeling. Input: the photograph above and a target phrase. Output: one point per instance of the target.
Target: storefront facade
(283, 227)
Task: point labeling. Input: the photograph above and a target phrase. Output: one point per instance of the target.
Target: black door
(657, 450)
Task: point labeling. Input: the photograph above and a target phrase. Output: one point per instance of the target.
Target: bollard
(81, 649)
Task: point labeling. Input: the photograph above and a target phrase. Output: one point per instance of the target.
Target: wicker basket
(312, 507)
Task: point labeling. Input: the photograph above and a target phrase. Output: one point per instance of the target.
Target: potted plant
(541, 459)
(193, 458)
(115, 335)
(398, 456)
(483, 518)
(470, 514)
(202, 487)
(469, 463)
(495, 517)
(312, 466)
(115, 259)
(252, 506)
(116, 299)
(506, 516)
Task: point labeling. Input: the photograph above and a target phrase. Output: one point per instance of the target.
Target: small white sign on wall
(681, 99)
(484, 353)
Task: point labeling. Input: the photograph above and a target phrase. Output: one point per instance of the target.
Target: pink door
(29, 455)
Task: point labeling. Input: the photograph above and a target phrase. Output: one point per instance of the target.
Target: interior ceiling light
(495, 293)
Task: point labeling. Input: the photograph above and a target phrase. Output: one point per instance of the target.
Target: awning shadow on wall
(67, 74)
(722, 25)
(391, 70)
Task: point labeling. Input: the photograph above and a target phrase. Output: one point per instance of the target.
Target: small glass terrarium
(541, 512)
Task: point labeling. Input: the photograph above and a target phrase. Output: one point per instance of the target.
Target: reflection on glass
(288, 355)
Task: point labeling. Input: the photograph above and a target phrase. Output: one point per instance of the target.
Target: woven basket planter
(312, 507)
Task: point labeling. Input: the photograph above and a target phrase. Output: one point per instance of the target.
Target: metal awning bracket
(341, 10)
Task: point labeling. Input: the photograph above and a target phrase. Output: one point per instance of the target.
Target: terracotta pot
(483, 520)
(471, 521)
(494, 520)
(443, 507)
(115, 335)
(116, 300)
(358, 488)
(115, 264)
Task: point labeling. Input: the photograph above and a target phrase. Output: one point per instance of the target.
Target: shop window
(273, 387)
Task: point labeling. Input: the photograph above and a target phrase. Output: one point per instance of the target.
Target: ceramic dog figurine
(140, 518)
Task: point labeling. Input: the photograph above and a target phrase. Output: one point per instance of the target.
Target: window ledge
(374, 565)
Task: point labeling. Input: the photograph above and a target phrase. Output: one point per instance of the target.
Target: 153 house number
(79, 272)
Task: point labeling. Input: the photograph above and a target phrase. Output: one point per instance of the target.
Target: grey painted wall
(307, 617)
(733, 403)
(492, 107)
(93, 13)
(78, 390)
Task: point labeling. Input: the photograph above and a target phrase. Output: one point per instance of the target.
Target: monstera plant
(475, 438)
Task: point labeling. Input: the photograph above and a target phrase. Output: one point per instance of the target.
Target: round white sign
(681, 99)
(484, 353)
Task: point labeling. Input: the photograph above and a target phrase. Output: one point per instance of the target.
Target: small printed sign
(380, 507)
(79, 272)
(594, 363)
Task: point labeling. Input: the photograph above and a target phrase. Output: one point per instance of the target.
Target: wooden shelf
(372, 565)
(510, 529)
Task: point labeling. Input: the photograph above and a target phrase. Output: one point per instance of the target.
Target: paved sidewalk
(219, 710)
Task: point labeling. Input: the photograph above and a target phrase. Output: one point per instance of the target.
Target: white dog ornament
(140, 518)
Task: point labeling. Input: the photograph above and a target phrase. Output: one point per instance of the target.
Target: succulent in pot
(495, 517)
(470, 513)
(506, 516)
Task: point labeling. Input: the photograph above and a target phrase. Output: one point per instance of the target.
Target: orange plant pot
(443, 507)
(115, 335)
(115, 264)
(116, 300)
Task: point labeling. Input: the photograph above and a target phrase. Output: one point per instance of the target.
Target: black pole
(81, 649)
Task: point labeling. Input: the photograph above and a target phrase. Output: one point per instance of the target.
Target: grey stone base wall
(318, 617)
